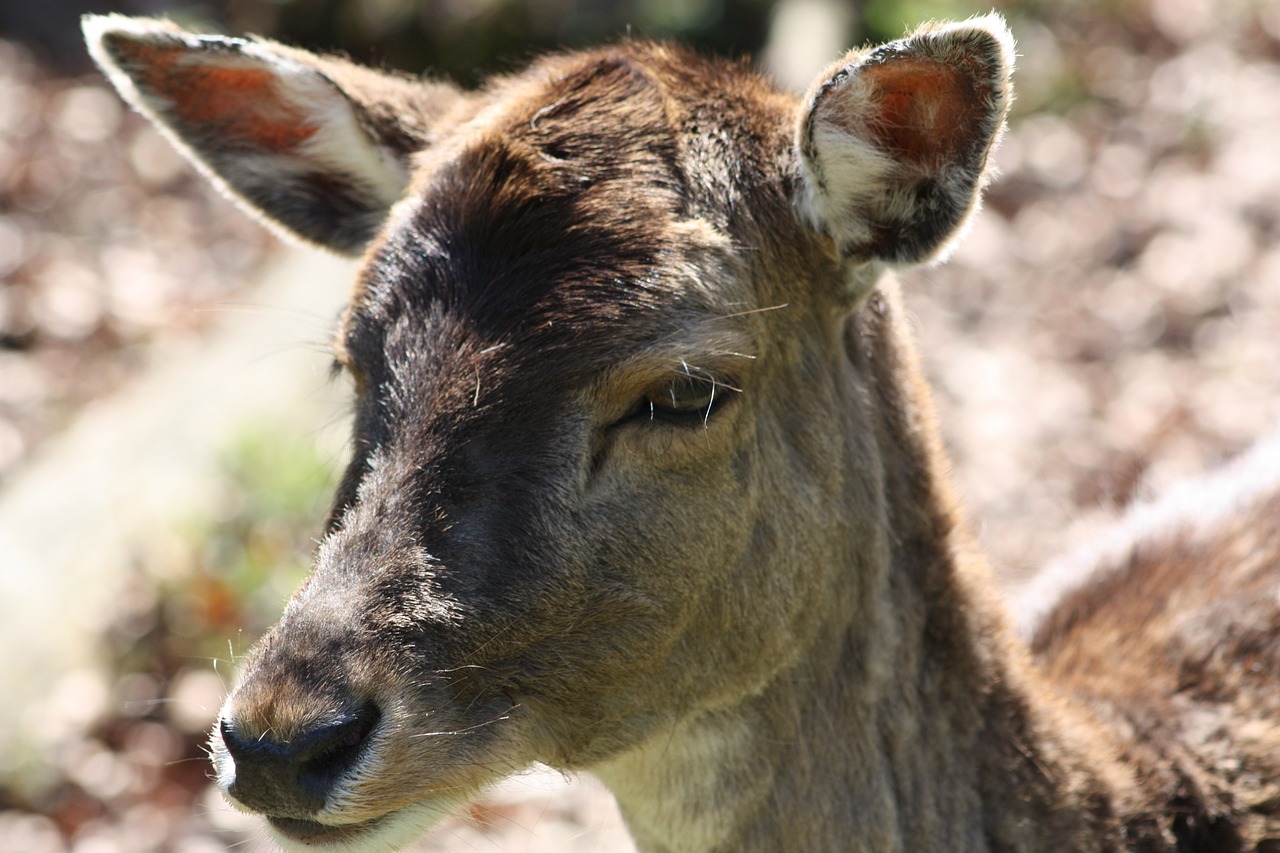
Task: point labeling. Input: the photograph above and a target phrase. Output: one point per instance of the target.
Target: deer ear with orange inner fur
(315, 145)
(895, 141)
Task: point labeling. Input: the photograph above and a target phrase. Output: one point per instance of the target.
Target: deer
(645, 480)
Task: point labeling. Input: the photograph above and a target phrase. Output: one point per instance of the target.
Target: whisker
(506, 715)
(753, 311)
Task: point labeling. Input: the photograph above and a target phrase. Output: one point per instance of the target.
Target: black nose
(293, 778)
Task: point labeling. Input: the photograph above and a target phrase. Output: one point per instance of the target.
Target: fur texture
(645, 479)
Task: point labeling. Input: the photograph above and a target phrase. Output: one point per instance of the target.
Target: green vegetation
(195, 599)
(223, 577)
(884, 20)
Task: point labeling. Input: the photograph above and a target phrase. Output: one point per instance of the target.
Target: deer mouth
(390, 831)
(310, 832)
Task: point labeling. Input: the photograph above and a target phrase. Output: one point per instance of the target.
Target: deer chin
(390, 831)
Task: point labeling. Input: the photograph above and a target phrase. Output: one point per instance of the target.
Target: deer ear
(316, 145)
(894, 141)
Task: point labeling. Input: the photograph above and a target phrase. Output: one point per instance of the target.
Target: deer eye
(689, 399)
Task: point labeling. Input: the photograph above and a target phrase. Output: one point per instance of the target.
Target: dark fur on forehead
(582, 211)
(551, 224)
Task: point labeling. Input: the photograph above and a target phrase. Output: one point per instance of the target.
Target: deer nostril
(294, 778)
(337, 747)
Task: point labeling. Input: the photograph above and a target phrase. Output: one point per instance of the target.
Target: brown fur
(645, 482)
(1177, 646)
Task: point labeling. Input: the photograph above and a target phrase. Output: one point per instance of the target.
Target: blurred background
(168, 435)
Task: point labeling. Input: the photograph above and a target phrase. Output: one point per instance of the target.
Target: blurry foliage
(223, 578)
(466, 39)
(883, 20)
(196, 598)
(107, 239)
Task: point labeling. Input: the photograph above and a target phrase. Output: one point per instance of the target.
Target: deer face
(603, 412)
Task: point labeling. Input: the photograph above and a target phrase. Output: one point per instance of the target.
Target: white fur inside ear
(894, 141)
(844, 172)
(264, 122)
(339, 144)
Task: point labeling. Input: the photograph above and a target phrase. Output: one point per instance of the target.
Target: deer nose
(294, 777)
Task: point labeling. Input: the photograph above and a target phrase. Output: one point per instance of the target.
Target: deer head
(616, 459)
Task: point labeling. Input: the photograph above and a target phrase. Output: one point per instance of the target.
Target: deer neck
(911, 721)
